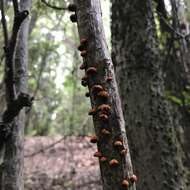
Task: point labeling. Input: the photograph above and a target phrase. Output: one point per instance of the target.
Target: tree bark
(176, 69)
(149, 123)
(12, 173)
(107, 112)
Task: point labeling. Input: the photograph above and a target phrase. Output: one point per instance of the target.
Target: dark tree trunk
(176, 67)
(107, 112)
(155, 150)
(12, 173)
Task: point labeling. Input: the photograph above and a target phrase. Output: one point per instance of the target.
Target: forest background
(60, 107)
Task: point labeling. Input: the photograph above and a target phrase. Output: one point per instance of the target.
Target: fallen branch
(45, 148)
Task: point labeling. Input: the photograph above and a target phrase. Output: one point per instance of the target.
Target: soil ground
(67, 165)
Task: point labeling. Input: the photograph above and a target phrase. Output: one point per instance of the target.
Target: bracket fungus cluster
(101, 111)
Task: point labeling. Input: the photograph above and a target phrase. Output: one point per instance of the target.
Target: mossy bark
(155, 150)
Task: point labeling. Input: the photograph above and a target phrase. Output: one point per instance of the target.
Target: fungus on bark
(97, 88)
(89, 12)
(73, 18)
(103, 159)
(82, 66)
(91, 70)
(93, 139)
(81, 47)
(118, 144)
(113, 163)
(87, 94)
(84, 83)
(125, 184)
(72, 7)
(104, 108)
(124, 152)
(133, 178)
(103, 117)
(103, 94)
(92, 111)
(98, 154)
(105, 132)
(110, 78)
(84, 41)
(83, 53)
(85, 78)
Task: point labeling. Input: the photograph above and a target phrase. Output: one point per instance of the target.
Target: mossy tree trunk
(151, 132)
(12, 166)
(176, 67)
(107, 113)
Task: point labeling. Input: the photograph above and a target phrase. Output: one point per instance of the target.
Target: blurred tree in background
(60, 105)
(54, 76)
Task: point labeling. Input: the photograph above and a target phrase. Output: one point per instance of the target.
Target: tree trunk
(107, 113)
(12, 174)
(155, 150)
(176, 68)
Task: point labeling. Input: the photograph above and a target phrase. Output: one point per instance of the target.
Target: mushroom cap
(103, 159)
(125, 183)
(124, 152)
(114, 162)
(87, 94)
(105, 132)
(83, 53)
(93, 139)
(133, 178)
(91, 70)
(104, 107)
(81, 47)
(73, 18)
(110, 78)
(97, 88)
(83, 41)
(118, 144)
(82, 66)
(103, 117)
(84, 78)
(98, 154)
(84, 83)
(103, 94)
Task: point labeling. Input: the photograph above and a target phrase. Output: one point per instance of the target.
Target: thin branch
(53, 6)
(2, 58)
(45, 148)
(4, 23)
(180, 35)
(16, 7)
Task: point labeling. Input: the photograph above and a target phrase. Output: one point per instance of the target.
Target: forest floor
(67, 165)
